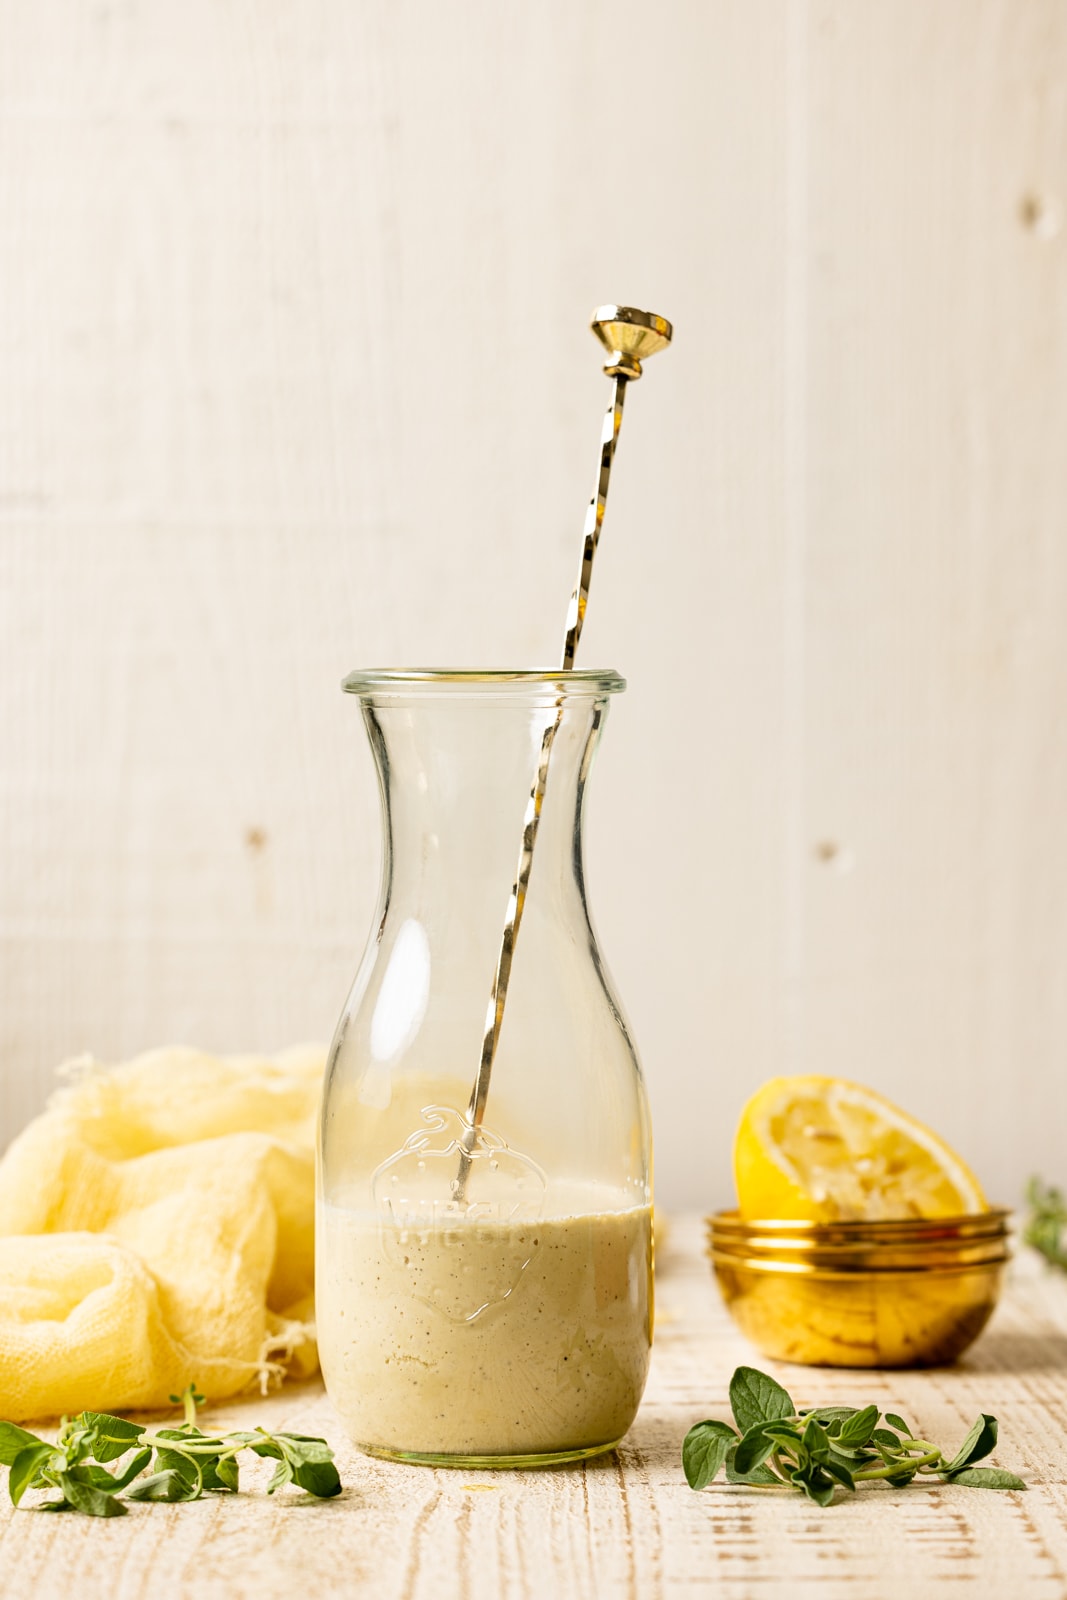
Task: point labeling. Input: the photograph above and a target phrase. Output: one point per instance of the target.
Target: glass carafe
(504, 1319)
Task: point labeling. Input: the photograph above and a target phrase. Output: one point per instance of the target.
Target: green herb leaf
(884, 1437)
(1044, 1228)
(901, 1479)
(761, 1475)
(898, 1422)
(839, 1471)
(829, 1414)
(133, 1468)
(283, 1474)
(784, 1433)
(96, 1477)
(978, 1443)
(818, 1486)
(210, 1467)
(13, 1441)
(318, 1478)
(856, 1431)
(25, 1467)
(185, 1467)
(300, 1447)
(815, 1441)
(855, 1459)
(704, 1451)
(226, 1475)
(108, 1437)
(312, 1465)
(84, 1497)
(754, 1397)
(167, 1485)
(754, 1448)
(264, 1445)
(986, 1478)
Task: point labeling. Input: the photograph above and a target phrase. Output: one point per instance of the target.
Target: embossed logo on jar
(460, 1258)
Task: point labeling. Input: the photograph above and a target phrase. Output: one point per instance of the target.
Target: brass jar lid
(903, 1230)
(894, 1245)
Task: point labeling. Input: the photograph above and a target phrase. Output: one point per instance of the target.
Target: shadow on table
(1017, 1352)
(654, 1448)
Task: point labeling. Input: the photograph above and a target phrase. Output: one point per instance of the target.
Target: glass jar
(501, 1318)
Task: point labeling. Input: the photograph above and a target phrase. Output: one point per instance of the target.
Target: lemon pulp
(822, 1149)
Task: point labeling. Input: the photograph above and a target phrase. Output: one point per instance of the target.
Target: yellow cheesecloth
(156, 1228)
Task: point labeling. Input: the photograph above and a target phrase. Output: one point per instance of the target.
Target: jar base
(547, 1458)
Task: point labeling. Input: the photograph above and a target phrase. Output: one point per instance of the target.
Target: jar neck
(455, 777)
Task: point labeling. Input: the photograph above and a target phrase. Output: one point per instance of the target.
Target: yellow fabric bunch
(156, 1228)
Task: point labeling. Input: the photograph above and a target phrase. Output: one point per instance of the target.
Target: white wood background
(294, 377)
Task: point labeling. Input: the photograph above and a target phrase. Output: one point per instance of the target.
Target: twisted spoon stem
(626, 335)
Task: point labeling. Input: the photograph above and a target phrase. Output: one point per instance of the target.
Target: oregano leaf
(318, 1478)
(704, 1452)
(761, 1475)
(858, 1428)
(108, 1437)
(985, 1478)
(85, 1498)
(755, 1397)
(97, 1477)
(166, 1485)
(169, 1459)
(13, 1441)
(227, 1474)
(818, 1486)
(815, 1441)
(839, 1471)
(25, 1467)
(134, 1467)
(754, 1449)
(978, 1443)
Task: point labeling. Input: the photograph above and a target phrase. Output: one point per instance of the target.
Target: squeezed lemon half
(825, 1150)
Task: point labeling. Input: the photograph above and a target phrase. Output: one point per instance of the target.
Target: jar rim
(459, 681)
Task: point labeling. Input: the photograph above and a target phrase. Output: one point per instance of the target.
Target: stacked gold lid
(907, 1292)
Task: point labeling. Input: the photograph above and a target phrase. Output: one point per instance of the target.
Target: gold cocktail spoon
(630, 337)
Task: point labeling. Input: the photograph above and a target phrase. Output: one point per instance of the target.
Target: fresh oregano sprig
(1047, 1221)
(818, 1450)
(183, 1461)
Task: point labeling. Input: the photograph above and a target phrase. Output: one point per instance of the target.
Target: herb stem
(918, 1463)
(189, 1447)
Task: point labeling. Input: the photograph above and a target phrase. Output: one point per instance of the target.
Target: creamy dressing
(477, 1336)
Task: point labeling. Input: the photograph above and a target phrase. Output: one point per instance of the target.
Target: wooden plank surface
(625, 1527)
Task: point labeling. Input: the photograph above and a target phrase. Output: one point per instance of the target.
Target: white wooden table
(624, 1526)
